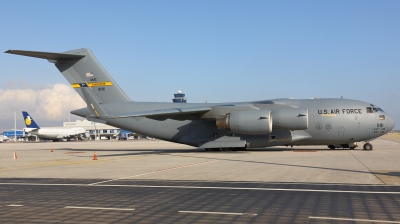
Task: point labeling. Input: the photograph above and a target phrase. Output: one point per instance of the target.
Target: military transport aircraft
(331, 122)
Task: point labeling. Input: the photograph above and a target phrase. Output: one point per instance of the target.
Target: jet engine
(250, 122)
(84, 136)
(292, 119)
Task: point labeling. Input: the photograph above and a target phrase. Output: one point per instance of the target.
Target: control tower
(179, 97)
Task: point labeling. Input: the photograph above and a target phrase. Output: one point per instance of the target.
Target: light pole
(15, 125)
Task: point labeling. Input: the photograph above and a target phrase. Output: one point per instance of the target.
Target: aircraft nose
(390, 123)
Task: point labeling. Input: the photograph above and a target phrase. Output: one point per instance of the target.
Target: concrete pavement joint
(158, 171)
(366, 167)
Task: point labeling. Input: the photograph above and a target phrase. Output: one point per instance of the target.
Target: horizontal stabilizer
(166, 113)
(46, 55)
(29, 129)
(96, 120)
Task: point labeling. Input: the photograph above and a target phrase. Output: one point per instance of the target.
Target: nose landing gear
(367, 146)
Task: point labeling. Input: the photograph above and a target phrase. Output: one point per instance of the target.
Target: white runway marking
(12, 205)
(216, 213)
(216, 188)
(158, 171)
(356, 220)
(100, 208)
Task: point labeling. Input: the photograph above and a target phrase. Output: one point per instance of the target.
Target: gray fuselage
(330, 121)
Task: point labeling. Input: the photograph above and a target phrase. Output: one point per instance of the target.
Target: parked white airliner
(55, 134)
(4, 138)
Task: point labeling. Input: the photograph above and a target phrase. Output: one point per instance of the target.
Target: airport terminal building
(96, 130)
(11, 133)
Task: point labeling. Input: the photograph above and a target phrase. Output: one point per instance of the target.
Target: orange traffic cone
(15, 155)
(51, 149)
(94, 156)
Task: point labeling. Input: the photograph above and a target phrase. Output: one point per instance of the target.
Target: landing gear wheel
(331, 147)
(367, 146)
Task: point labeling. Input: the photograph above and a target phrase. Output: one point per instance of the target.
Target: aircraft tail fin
(29, 122)
(83, 71)
(93, 106)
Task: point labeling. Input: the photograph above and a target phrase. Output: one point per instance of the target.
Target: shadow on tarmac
(208, 155)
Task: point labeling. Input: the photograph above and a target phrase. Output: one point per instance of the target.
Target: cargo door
(341, 132)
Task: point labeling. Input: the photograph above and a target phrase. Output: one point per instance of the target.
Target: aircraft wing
(163, 114)
(30, 129)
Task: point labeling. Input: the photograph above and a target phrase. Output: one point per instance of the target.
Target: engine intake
(251, 122)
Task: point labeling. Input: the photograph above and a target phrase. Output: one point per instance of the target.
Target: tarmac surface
(152, 181)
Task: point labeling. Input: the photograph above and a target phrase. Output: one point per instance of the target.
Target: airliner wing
(30, 129)
(163, 114)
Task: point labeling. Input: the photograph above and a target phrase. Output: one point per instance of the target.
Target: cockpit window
(373, 109)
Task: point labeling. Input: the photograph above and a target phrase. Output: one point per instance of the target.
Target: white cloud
(46, 103)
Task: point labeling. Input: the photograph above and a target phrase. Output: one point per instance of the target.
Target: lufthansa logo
(28, 120)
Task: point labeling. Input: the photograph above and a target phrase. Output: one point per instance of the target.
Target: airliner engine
(292, 119)
(251, 122)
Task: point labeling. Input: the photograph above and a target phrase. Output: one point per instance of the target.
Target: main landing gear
(225, 149)
(343, 146)
(367, 146)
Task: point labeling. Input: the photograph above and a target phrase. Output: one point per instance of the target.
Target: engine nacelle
(250, 122)
(292, 119)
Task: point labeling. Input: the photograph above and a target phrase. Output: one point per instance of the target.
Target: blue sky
(215, 50)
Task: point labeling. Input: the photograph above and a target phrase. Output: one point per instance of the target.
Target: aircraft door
(341, 132)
